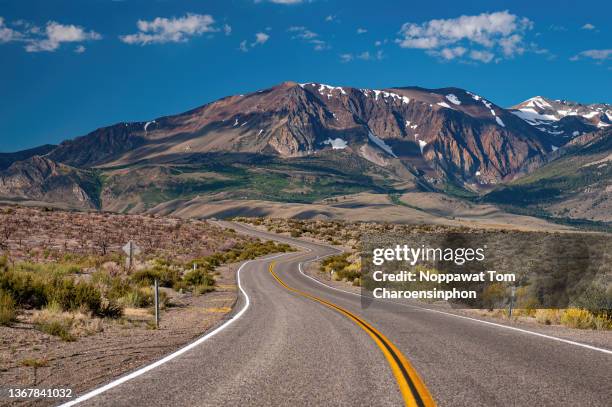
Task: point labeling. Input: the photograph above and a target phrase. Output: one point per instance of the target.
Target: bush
(143, 297)
(547, 316)
(110, 309)
(577, 318)
(52, 321)
(166, 276)
(71, 296)
(7, 309)
(198, 277)
(342, 267)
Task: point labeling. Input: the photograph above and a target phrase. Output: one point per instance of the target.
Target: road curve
(287, 349)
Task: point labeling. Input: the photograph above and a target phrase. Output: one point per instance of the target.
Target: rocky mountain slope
(575, 183)
(443, 133)
(6, 159)
(563, 119)
(41, 179)
(302, 143)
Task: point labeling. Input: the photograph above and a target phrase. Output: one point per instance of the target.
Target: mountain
(6, 159)
(563, 119)
(41, 179)
(444, 133)
(576, 183)
(303, 143)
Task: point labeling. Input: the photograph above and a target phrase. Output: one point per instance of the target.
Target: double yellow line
(410, 384)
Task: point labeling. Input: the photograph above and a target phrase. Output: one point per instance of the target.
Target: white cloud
(162, 30)
(449, 53)
(79, 49)
(482, 56)
(260, 38)
(330, 18)
(346, 57)
(227, 29)
(55, 34)
(599, 55)
(319, 45)
(588, 26)
(364, 56)
(486, 34)
(7, 34)
(304, 34)
(243, 46)
(361, 30)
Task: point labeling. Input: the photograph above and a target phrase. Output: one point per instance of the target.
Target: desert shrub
(8, 312)
(198, 277)
(136, 298)
(203, 289)
(165, 275)
(71, 296)
(142, 297)
(493, 296)
(52, 321)
(577, 318)
(341, 266)
(66, 325)
(547, 316)
(25, 289)
(110, 309)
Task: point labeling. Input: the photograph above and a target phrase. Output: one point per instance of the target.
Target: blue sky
(69, 67)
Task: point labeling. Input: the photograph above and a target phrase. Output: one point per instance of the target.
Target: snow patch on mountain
(147, 124)
(385, 95)
(336, 144)
(474, 96)
(422, 144)
(453, 99)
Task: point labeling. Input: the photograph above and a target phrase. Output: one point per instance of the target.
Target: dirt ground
(120, 348)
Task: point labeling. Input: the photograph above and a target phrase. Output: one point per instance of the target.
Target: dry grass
(68, 326)
(8, 313)
(548, 316)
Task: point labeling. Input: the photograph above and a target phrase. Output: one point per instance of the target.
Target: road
(296, 342)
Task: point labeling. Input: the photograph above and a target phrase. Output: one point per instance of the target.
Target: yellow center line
(411, 386)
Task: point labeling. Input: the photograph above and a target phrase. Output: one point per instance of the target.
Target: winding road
(293, 341)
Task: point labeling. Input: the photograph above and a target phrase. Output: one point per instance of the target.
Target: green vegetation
(563, 179)
(68, 302)
(8, 312)
(341, 268)
(241, 252)
(302, 180)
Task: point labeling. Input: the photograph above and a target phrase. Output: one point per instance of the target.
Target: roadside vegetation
(70, 286)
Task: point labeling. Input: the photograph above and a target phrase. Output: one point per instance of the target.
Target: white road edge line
(179, 352)
(525, 331)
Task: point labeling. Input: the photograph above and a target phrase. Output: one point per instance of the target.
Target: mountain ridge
(283, 141)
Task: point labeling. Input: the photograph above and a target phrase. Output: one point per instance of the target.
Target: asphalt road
(288, 349)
